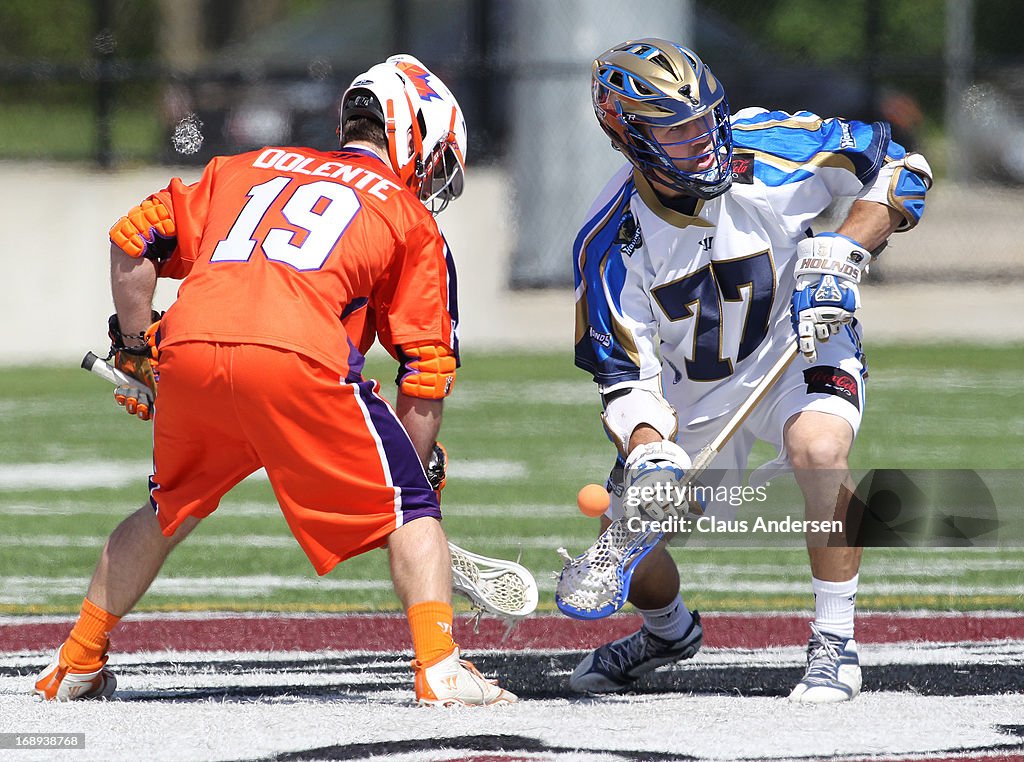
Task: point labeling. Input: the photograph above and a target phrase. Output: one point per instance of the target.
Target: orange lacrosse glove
(135, 356)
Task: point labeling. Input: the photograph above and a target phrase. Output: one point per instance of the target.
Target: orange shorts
(342, 467)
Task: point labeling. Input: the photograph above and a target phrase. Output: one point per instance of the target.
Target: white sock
(833, 605)
(670, 622)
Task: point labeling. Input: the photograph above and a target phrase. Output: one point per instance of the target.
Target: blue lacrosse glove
(654, 487)
(828, 271)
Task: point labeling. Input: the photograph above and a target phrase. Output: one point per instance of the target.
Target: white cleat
(452, 681)
(833, 670)
(59, 683)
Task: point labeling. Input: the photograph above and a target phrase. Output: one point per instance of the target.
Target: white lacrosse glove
(828, 271)
(653, 480)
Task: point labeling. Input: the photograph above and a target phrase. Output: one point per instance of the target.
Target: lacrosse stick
(501, 588)
(595, 583)
(96, 365)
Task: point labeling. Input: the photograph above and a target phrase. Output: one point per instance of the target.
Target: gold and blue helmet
(651, 83)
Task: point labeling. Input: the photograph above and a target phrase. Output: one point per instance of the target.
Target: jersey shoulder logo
(743, 168)
(628, 235)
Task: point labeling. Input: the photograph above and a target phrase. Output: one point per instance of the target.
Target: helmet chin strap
(391, 130)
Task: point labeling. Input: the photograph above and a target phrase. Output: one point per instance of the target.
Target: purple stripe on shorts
(356, 361)
(153, 487)
(417, 497)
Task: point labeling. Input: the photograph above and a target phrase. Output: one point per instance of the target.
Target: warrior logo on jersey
(418, 75)
(743, 168)
(677, 375)
(823, 379)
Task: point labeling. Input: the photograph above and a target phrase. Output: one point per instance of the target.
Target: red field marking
(389, 632)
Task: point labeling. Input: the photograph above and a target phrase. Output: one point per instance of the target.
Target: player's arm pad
(146, 231)
(902, 185)
(626, 406)
(426, 371)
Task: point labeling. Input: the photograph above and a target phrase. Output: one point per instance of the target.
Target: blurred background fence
(104, 84)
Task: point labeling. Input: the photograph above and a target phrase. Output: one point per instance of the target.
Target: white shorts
(834, 384)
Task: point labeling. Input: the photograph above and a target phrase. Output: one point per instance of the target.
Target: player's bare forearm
(132, 284)
(643, 434)
(422, 419)
(870, 223)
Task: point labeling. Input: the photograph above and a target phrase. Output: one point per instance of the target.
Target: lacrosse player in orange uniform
(255, 368)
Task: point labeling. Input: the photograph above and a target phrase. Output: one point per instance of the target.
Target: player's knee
(819, 454)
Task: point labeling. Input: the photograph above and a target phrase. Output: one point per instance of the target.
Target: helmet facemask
(660, 159)
(639, 87)
(442, 172)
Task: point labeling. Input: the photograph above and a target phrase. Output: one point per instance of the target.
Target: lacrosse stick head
(595, 584)
(494, 586)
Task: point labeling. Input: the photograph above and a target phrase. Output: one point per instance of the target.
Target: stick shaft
(710, 450)
(94, 364)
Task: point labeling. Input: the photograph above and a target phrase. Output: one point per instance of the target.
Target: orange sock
(87, 643)
(431, 626)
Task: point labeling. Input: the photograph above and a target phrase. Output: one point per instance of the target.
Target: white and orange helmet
(425, 128)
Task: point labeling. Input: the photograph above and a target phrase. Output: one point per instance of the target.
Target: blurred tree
(834, 32)
(997, 29)
(57, 30)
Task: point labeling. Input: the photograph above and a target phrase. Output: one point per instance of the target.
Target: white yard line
(94, 474)
(926, 567)
(28, 589)
(913, 567)
(64, 507)
(32, 589)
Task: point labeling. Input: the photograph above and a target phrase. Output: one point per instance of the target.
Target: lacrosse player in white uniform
(694, 271)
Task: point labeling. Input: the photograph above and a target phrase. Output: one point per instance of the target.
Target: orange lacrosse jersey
(280, 245)
(362, 325)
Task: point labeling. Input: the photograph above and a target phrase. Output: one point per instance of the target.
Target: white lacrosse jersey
(704, 300)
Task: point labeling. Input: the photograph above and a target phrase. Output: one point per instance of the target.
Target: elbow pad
(146, 231)
(626, 408)
(426, 371)
(902, 185)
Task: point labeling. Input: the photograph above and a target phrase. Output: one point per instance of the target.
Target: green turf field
(523, 435)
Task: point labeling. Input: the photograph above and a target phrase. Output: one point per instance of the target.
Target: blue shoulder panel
(808, 141)
(599, 273)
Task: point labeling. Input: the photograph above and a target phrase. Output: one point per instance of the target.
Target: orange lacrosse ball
(593, 500)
